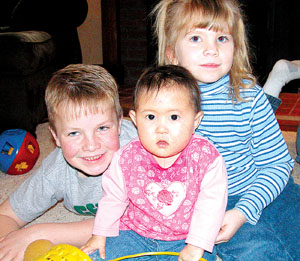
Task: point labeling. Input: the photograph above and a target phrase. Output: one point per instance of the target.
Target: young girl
(262, 221)
(166, 190)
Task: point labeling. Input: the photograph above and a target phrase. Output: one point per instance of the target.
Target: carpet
(58, 213)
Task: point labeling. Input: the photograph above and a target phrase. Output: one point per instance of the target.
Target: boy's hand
(12, 246)
(94, 243)
(191, 253)
(232, 222)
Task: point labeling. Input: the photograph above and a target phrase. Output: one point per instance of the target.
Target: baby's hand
(191, 253)
(94, 243)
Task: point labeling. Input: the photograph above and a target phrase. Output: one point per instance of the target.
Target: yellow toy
(44, 250)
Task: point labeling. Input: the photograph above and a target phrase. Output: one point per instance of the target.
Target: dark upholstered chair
(36, 38)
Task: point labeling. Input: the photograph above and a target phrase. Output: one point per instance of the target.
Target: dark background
(273, 28)
(274, 33)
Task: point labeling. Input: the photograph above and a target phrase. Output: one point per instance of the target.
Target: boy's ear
(198, 119)
(120, 124)
(170, 53)
(55, 137)
(132, 116)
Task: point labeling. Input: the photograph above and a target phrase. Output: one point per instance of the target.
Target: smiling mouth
(93, 158)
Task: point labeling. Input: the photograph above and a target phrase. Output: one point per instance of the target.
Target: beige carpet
(58, 213)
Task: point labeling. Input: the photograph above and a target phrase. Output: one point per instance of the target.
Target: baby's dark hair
(167, 76)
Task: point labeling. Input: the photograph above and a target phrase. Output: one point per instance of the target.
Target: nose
(161, 126)
(211, 49)
(90, 143)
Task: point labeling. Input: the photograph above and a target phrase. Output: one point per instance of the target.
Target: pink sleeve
(113, 202)
(210, 207)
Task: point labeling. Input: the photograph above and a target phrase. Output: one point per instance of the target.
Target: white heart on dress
(166, 200)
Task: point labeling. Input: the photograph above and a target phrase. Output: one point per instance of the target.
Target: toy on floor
(19, 151)
(44, 250)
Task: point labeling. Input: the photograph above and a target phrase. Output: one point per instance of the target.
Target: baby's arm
(210, 207)
(191, 253)
(94, 243)
(15, 239)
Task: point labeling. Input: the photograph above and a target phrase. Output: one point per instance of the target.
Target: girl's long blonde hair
(173, 17)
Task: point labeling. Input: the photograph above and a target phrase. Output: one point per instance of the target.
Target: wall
(90, 34)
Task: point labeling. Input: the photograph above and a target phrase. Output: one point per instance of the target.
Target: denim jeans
(274, 102)
(298, 144)
(276, 236)
(129, 243)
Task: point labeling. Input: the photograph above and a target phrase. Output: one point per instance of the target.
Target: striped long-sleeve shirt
(248, 137)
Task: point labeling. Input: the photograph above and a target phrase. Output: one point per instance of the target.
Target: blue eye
(195, 38)
(150, 117)
(174, 117)
(222, 38)
(103, 128)
(74, 133)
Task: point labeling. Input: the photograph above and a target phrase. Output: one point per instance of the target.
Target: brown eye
(150, 117)
(174, 117)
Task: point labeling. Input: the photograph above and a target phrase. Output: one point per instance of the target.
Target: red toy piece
(19, 151)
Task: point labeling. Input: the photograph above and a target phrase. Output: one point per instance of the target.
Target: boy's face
(165, 122)
(89, 140)
(207, 54)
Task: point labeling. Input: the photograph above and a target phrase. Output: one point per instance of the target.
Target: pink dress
(185, 201)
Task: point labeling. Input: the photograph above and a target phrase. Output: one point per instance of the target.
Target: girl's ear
(132, 115)
(198, 119)
(55, 137)
(170, 53)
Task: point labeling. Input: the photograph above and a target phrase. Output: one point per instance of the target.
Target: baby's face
(89, 139)
(165, 121)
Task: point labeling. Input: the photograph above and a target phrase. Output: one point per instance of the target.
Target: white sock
(283, 72)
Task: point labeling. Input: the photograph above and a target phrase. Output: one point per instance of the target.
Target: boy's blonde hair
(81, 86)
(173, 17)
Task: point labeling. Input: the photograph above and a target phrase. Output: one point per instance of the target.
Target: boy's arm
(8, 219)
(210, 207)
(13, 245)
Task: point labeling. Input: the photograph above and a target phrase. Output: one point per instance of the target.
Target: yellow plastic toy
(43, 250)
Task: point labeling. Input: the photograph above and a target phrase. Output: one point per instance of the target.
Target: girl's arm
(210, 207)
(271, 158)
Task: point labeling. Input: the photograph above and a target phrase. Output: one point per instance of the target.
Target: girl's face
(207, 54)
(89, 140)
(165, 122)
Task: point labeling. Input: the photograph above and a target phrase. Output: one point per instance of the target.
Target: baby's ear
(198, 119)
(132, 116)
(55, 137)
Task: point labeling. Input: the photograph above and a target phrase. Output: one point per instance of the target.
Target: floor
(288, 113)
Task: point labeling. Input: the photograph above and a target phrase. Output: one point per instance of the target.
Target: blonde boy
(85, 120)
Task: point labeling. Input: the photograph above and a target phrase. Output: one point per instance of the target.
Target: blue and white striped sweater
(248, 137)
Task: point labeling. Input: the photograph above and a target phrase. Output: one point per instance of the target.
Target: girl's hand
(232, 222)
(191, 253)
(94, 243)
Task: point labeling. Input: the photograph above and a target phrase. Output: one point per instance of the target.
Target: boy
(85, 120)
